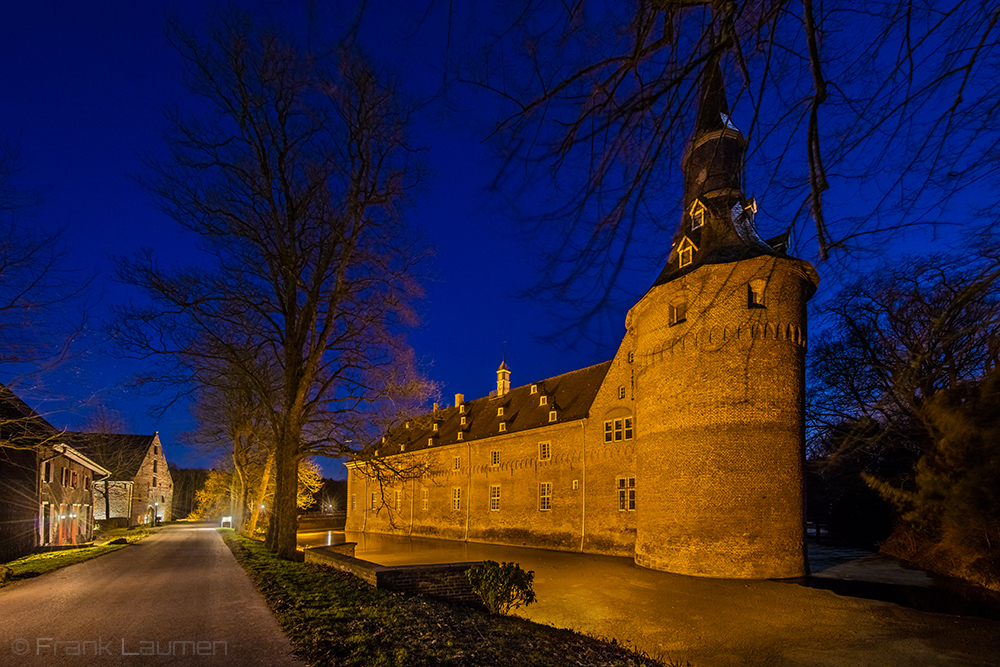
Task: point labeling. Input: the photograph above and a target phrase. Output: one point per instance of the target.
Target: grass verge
(38, 564)
(333, 618)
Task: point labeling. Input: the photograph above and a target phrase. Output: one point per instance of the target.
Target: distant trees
(294, 181)
(904, 394)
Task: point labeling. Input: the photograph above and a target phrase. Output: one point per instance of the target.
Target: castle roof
(717, 226)
(570, 395)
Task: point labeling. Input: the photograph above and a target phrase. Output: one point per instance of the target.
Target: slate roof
(130, 450)
(570, 395)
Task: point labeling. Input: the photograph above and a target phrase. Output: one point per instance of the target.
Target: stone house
(139, 489)
(685, 451)
(46, 485)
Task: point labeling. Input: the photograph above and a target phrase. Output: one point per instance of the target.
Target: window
(86, 482)
(503, 426)
(435, 427)
(64, 478)
(154, 464)
(618, 429)
(154, 480)
(552, 415)
(463, 420)
(544, 451)
(495, 498)
(697, 213)
(495, 457)
(73, 479)
(354, 502)
(755, 294)
(456, 498)
(686, 256)
(576, 484)
(461, 409)
(47, 471)
(500, 412)
(373, 500)
(621, 391)
(156, 450)
(631, 357)
(678, 312)
(534, 389)
(457, 463)
(460, 434)
(544, 497)
(399, 500)
(626, 494)
(543, 400)
(424, 498)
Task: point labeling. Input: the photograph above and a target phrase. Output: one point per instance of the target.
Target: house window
(697, 218)
(86, 482)
(463, 421)
(495, 498)
(621, 391)
(544, 497)
(534, 389)
(500, 412)
(544, 451)
(373, 500)
(456, 498)
(154, 480)
(354, 502)
(461, 409)
(460, 434)
(503, 426)
(73, 479)
(755, 294)
(543, 400)
(552, 415)
(626, 494)
(64, 478)
(424, 498)
(618, 429)
(47, 471)
(435, 427)
(399, 500)
(154, 464)
(495, 457)
(457, 463)
(678, 312)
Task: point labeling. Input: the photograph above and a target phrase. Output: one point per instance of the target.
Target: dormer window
(534, 389)
(435, 426)
(685, 252)
(461, 409)
(500, 412)
(678, 311)
(503, 426)
(460, 435)
(463, 421)
(552, 415)
(543, 400)
(697, 213)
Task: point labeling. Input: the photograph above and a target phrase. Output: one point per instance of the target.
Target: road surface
(176, 598)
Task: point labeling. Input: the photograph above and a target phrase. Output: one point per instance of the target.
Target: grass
(333, 618)
(43, 563)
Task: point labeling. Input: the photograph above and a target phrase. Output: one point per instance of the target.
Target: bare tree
(863, 122)
(294, 181)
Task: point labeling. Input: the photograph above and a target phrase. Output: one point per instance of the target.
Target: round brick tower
(720, 344)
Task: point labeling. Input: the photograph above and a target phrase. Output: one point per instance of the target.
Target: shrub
(502, 588)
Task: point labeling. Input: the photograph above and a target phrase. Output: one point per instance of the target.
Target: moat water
(843, 570)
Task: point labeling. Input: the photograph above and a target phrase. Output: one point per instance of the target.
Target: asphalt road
(715, 622)
(178, 595)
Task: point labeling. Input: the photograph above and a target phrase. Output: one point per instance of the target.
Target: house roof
(121, 453)
(570, 395)
(19, 422)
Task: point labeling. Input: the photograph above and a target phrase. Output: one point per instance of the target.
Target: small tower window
(534, 389)
(755, 293)
(685, 252)
(678, 312)
(697, 213)
(503, 426)
(621, 391)
(543, 400)
(435, 426)
(500, 412)
(552, 415)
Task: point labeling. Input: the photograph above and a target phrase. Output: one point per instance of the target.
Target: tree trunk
(284, 518)
(261, 494)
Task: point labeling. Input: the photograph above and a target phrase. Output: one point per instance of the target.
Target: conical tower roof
(717, 224)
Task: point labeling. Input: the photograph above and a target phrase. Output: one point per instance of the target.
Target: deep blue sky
(82, 89)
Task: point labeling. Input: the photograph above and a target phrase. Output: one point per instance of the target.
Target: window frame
(545, 450)
(625, 486)
(619, 429)
(494, 497)
(456, 498)
(545, 496)
(494, 458)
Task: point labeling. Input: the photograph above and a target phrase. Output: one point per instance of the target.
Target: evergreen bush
(501, 587)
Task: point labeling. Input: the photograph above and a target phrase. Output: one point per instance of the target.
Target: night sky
(83, 92)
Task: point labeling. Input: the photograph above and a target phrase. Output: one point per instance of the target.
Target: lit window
(495, 457)
(755, 293)
(543, 400)
(373, 500)
(354, 502)
(461, 408)
(435, 426)
(544, 451)
(544, 497)
(552, 415)
(500, 412)
(621, 391)
(458, 463)
(399, 500)
(503, 426)
(678, 312)
(631, 357)
(685, 252)
(424, 498)
(698, 219)
(576, 484)
(495, 498)
(456, 498)
(618, 429)
(534, 388)
(463, 420)
(626, 494)
(460, 434)
(73, 480)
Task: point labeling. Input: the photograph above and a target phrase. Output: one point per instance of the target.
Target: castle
(685, 451)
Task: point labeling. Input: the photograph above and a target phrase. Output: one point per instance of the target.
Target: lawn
(333, 618)
(37, 564)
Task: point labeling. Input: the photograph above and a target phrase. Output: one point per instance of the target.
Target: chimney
(459, 399)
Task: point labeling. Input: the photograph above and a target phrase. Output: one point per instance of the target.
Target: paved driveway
(179, 593)
(715, 622)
